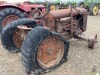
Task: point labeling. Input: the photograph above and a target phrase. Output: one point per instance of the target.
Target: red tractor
(11, 12)
(45, 46)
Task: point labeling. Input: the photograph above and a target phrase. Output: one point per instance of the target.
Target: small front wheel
(12, 37)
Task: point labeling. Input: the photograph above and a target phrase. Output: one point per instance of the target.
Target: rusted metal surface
(52, 17)
(9, 19)
(92, 40)
(71, 35)
(73, 24)
(84, 22)
(57, 14)
(23, 7)
(63, 13)
(62, 26)
(50, 52)
(19, 35)
(81, 10)
(29, 7)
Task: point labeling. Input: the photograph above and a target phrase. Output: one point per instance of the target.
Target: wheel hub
(50, 52)
(19, 35)
(95, 10)
(9, 19)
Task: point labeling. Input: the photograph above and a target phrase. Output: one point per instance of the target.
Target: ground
(81, 59)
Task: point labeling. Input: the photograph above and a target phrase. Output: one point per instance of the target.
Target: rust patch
(9, 19)
(19, 35)
(50, 52)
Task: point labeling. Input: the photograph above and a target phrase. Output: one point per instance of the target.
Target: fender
(23, 7)
(11, 6)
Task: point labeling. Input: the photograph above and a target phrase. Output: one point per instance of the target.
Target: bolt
(49, 51)
(45, 62)
(53, 39)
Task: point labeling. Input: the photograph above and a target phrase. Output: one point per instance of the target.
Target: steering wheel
(38, 14)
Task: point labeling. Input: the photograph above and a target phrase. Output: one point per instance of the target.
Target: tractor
(54, 4)
(51, 5)
(91, 5)
(44, 46)
(10, 12)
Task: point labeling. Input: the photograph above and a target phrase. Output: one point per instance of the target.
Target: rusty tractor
(44, 46)
(91, 5)
(10, 12)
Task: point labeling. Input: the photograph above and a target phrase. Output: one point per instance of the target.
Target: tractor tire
(8, 15)
(35, 41)
(94, 9)
(9, 30)
(81, 4)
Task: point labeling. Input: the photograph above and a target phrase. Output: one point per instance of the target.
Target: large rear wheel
(43, 50)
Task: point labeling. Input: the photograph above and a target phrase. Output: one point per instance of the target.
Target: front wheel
(43, 50)
(94, 9)
(12, 37)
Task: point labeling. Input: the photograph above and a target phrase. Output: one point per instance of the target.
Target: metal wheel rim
(50, 54)
(18, 37)
(95, 10)
(53, 7)
(9, 19)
